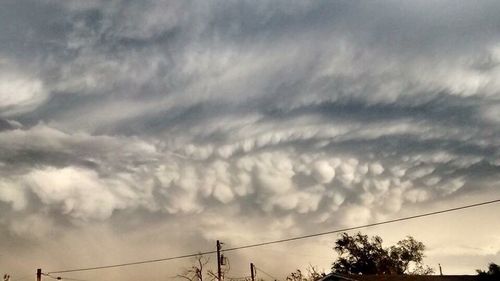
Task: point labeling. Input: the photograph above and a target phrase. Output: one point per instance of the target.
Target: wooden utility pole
(252, 271)
(219, 271)
(39, 274)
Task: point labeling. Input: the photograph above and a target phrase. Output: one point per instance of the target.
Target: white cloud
(20, 93)
(323, 172)
(417, 195)
(376, 168)
(223, 193)
(354, 215)
(14, 194)
(34, 227)
(80, 193)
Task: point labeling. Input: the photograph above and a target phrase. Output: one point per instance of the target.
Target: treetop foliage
(492, 274)
(359, 254)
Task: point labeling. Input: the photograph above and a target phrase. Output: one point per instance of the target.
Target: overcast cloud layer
(142, 123)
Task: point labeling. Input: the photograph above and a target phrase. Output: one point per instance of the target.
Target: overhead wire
(62, 277)
(243, 278)
(258, 269)
(363, 226)
(342, 277)
(134, 263)
(281, 240)
(68, 278)
(50, 276)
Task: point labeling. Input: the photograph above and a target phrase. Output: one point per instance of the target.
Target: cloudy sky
(134, 130)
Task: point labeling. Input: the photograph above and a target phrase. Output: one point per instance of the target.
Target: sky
(134, 130)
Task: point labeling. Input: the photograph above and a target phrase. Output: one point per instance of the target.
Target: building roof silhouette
(354, 277)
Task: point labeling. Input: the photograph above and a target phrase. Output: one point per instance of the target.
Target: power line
(133, 263)
(340, 276)
(244, 278)
(364, 226)
(62, 277)
(282, 240)
(67, 278)
(266, 273)
(50, 276)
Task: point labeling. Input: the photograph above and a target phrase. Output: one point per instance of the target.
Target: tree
(492, 274)
(359, 254)
(296, 276)
(199, 270)
(313, 274)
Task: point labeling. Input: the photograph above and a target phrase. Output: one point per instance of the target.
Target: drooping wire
(258, 269)
(342, 276)
(243, 278)
(62, 277)
(134, 263)
(283, 240)
(73, 279)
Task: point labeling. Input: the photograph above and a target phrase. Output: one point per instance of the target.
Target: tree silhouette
(359, 254)
(313, 274)
(492, 274)
(199, 270)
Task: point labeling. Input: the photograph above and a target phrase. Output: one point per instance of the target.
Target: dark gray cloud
(119, 115)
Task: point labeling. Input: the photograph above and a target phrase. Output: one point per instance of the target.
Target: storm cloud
(296, 115)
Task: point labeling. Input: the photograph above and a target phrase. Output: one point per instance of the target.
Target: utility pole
(219, 271)
(252, 271)
(39, 274)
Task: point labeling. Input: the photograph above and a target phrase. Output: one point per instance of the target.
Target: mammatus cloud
(81, 177)
(298, 116)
